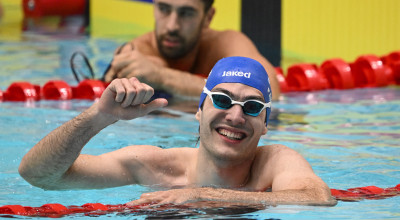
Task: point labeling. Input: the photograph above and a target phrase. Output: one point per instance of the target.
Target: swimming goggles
(223, 101)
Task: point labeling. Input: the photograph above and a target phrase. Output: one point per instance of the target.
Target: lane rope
(365, 72)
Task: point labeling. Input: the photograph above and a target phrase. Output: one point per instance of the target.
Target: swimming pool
(350, 137)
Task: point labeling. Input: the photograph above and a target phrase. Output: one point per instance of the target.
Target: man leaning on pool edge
(228, 165)
(182, 49)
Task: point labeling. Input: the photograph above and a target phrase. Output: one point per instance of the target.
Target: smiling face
(178, 25)
(230, 134)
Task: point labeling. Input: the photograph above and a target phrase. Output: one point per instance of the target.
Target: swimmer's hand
(169, 197)
(128, 62)
(127, 99)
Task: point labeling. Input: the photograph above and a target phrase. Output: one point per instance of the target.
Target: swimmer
(177, 56)
(228, 166)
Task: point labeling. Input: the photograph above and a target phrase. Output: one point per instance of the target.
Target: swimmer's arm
(181, 83)
(173, 81)
(136, 59)
(222, 197)
(147, 69)
(293, 191)
(306, 196)
(139, 164)
(47, 164)
(289, 188)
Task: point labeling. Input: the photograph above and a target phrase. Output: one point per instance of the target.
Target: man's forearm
(181, 83)
(201, 197)
(285, 197)
(48, 160)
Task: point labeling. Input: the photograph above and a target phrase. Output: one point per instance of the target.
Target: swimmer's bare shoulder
(215, 44)
(151, 165)
(224, 43)
(270, 162)
(275, 157)
(146, 44)
(262, 170)
(283, 168)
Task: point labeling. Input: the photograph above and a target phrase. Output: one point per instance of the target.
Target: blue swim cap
(240, 70)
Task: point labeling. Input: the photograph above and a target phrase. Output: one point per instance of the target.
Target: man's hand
(127, 99)
(131, 63)
(170, 197)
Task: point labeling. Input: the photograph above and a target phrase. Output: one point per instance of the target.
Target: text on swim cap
(236, 73)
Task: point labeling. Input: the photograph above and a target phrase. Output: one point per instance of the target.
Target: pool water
(351, 137)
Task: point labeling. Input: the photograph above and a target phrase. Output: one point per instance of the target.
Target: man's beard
(179, 52)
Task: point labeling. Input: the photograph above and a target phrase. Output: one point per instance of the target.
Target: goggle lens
(252, 107)
(222, 101)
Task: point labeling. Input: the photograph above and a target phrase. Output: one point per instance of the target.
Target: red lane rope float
(58, 210)
(38, 8)
(53, 90)
(365, 71)
(338, 74)
(367, 192)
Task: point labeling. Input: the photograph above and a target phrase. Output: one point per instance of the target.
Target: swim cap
(240, 70)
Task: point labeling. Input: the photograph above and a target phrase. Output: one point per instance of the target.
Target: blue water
(350, 137)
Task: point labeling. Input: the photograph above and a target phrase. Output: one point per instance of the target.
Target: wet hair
(207, 4)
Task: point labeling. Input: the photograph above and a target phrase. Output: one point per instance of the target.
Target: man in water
(228, 165)
(180, 52)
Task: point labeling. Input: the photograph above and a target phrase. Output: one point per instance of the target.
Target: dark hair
(207, 4)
